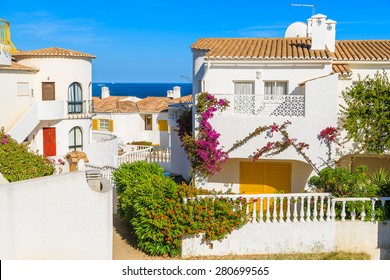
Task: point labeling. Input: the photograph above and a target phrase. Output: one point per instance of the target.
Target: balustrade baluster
(247, 209)
(363, 214)
(302, 211)
(328, 213)
(308, 214)
(353, 215)
(315, 214)
(254, 216)
(333, 210)
(295, 214)
(268, 214)
(343, 213)
(281, 214)
(274, 214)
(288, 214)
(261, 215)
(322, 209)
(373, 210)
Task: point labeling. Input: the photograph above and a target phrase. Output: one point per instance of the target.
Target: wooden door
(49, 141)
(48, 91)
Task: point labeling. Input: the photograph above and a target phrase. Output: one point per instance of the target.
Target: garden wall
(306, 237)
(55, 217)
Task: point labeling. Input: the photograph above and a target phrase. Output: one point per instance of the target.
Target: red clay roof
(18, 67)
(53, 51)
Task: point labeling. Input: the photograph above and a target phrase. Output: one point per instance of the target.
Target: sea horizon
(140, 90)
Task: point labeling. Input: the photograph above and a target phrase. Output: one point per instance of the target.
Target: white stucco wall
(285, 238)
(55, 217)
(14, 106)
(103, 153)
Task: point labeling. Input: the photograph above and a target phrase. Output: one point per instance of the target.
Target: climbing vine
(203, 151)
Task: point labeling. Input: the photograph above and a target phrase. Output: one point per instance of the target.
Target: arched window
(75, 99)
(75, 139)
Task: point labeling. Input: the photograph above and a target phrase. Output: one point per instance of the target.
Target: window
(243, 88)
(275, 88)
(103, 124)
(22, 89)
(75, 99)
(162, 125)
(75, 139)
(148, 122)
(244, 98)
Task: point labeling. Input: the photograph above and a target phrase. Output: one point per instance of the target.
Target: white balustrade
(264, 105)
(277, 208)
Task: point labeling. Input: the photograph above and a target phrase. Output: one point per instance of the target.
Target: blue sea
(140, 90)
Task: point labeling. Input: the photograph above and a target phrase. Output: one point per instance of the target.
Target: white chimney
(318, 35)
(176, 92)
(170, 93)
(330, 38)
(105, 92)
(309, 27)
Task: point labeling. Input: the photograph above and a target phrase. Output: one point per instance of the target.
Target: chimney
(322, 32)
(330, 38)
(175, 93)
(318, 32)
(105, 92)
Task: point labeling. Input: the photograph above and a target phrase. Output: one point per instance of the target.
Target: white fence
(300, 222)
(159, 155)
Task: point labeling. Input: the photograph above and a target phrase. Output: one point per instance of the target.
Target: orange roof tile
(113, 104)
(18, 67)
(153, 104)
(342, 69)
(260, 48)
(291, 49)
(53, 51)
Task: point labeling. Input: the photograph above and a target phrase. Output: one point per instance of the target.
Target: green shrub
(18, 163)
(152, 205)
(142, 143)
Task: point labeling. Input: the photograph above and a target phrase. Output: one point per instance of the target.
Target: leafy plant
(18, 163)
(153, 206)
(366, 116)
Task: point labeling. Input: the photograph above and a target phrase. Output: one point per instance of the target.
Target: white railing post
(302, 211)
(281, 214)
(308, 214)
(288, 214)
(268, 214)
(261, 214)
(274, 213)
(254, 218)
(322, 209)
(343, 213)
(315, 214)
(295, 214)
(333, 215)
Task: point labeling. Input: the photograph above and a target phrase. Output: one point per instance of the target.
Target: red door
(49, 141)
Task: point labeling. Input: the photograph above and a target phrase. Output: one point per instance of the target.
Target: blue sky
(149, 40)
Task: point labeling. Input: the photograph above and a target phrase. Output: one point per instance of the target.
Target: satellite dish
(296, 29)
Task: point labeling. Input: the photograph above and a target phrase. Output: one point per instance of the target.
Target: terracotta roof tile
(154, 104)
(113, 104)
(291, 49)
(18, 67)
(259, 48)
(342, 69)
(53, 51)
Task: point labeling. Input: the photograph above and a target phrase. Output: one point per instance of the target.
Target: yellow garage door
(256, 177)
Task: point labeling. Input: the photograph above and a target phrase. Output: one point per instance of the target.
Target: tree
(366, 116)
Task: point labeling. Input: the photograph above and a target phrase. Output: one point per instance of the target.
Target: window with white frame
(275, 88)
(22, 88)
(244, 98)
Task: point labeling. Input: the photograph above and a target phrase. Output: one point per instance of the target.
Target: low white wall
(55, 217)
(275, 238)
(103, 153)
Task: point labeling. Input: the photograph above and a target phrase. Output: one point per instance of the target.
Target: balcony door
(48, 91)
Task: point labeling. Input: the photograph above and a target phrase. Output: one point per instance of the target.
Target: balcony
(80, 109)
(51, 110)
(264, 105)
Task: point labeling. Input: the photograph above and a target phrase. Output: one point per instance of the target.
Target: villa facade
(298, 78)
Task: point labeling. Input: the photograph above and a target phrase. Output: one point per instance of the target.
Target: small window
(162, 125)
(75, 99)
(103, 124)
(148, 122)
(22, 89)
(275, 88)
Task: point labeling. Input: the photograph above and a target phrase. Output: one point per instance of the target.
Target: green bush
(142, 143)
(18, 163)
(152, 205)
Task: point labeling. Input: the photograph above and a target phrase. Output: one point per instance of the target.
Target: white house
(270, 80)
(136, 120)
(47, 103)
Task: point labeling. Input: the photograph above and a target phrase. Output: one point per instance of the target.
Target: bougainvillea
(275, 147)
(328, 136)
(203, 151)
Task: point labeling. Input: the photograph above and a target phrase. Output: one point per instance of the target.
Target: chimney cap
(319, 16)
